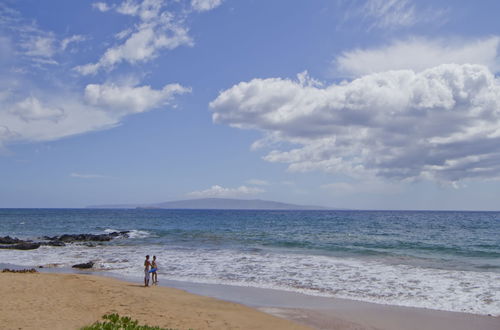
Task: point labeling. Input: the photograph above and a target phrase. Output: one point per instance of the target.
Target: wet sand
(342, 314)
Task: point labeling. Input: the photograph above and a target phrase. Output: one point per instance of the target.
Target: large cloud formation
(442, 123)
(37, 106)
(45, 118)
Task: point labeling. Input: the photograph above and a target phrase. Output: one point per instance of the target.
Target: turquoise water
(443, 260)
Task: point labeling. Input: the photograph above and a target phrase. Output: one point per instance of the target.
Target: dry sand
(70, 301)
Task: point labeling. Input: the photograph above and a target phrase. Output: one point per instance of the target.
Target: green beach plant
(117, 322)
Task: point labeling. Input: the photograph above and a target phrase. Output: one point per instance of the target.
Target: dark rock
(9, 240)
(21, 246)
(85, 238)
(86, 265)
(54, 243)
(70, 238)
(7, 270)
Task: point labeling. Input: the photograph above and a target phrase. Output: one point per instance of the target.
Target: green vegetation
(117, 322)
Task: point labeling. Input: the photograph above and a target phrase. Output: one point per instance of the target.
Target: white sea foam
(452, 290)
(134, 233)
(138, 234)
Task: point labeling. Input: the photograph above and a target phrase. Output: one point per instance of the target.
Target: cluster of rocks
(17, 244)
(8, 242)
(71, 238)
(86, 265)
(7, 270)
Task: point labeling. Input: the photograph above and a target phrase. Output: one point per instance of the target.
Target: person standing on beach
(147, 265)
(154, 269)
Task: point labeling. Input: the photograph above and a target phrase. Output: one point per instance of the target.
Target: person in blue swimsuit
(154, 269)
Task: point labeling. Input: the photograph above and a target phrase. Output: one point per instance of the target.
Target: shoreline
(339, 313)
(317, 312)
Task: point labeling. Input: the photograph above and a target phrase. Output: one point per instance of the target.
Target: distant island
(215, 204)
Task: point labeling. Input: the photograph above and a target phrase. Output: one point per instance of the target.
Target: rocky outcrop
(70, 238)
(24, 245)
(86, 265)
(8, 242)
(7, 270)
(54, 243)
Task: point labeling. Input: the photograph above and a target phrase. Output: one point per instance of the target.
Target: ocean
(439, 260)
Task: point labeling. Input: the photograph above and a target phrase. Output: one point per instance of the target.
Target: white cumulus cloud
(101, 6)
(419, 54)
(219, 191)
(131, 99)
(32, 109)
(204, 5)
(442, 123)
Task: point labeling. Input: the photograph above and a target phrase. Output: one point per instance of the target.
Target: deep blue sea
(439, 260)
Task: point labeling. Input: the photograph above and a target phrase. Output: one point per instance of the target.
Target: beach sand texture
(70, 301)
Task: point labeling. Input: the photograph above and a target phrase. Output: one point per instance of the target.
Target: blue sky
(363, 104)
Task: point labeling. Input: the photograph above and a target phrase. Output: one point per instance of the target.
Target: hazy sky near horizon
(366, 104)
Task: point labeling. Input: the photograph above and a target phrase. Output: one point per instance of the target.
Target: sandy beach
(70, 301)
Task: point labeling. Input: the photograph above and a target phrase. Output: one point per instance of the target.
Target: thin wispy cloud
(257, 182)
(157, 28)
(391, 14)
(418, 54)
(72, 40)
(361, 187)
(32, 43)
(88, 176)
